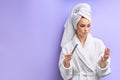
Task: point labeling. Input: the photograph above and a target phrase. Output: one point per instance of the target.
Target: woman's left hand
(104, 58)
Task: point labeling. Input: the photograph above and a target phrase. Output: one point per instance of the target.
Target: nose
(85, 29)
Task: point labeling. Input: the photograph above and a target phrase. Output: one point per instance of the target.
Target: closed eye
(88, 25)
(82, 25)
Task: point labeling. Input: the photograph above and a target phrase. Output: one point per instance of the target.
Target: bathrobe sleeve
(66, 73)
(103, 71)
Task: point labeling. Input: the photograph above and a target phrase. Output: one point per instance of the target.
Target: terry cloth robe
(84, 64)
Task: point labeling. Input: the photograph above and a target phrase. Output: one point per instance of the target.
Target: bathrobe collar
(87, 53)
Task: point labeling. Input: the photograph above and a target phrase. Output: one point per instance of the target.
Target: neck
(82, 39)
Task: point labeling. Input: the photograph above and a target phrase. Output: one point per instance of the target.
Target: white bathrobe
(85, 60)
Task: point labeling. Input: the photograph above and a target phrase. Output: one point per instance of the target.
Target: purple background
(31, 31)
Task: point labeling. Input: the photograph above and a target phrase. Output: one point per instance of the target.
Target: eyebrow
(84, 24)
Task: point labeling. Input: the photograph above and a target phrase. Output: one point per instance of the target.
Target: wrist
(102, 64)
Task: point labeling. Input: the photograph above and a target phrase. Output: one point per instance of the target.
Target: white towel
(82, 9)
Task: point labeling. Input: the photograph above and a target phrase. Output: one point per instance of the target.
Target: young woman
(83, 57)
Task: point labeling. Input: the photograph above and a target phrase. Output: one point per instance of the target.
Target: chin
(85, 35)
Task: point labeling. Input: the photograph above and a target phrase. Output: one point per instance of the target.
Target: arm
(65, 68)
(103, 66)
(104, 71)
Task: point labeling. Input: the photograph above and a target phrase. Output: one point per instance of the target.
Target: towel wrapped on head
(79, 11)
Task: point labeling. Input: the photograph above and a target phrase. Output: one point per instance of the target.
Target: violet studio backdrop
(31, 32)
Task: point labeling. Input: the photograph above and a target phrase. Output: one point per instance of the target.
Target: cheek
(89, 29)
(79, 31)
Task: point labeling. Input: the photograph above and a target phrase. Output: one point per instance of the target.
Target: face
(83, 27)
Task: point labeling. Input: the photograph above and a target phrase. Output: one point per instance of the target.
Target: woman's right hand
(67, 59)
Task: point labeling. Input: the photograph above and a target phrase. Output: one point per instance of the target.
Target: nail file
(74, 48)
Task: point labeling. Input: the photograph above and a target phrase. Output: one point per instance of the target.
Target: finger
(107, 48)
(107, 52)
(102, 59)
(106, 57)
(104, 54)
(68, 57)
